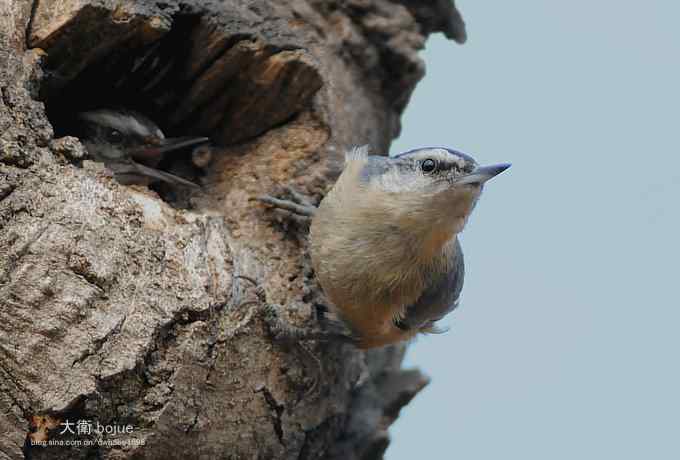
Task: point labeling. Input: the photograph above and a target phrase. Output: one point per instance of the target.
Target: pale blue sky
(566, 345)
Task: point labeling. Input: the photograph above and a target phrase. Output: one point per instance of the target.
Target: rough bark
(120, 305)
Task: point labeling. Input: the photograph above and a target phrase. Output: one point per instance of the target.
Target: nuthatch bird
(131, 145)
(384, 242)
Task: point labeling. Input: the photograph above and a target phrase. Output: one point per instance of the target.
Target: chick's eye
(428, 165)
(114, 135)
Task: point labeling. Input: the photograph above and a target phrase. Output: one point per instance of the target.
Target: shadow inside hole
(143, 77)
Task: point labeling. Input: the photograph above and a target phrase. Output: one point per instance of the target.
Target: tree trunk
(123, 305)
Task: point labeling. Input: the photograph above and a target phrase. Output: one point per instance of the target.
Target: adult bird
(384, 240)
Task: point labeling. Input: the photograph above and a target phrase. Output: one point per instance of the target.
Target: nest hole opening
(196, 79)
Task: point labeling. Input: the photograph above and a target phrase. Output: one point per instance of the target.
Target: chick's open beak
(168, 145)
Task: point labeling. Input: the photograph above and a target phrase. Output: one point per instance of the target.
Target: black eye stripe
(448, 166)
(431, 165)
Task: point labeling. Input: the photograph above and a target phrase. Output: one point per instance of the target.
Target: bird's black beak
(169, 145)
(482, 174)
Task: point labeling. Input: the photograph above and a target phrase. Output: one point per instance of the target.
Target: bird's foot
(297, 204)
(284, 332)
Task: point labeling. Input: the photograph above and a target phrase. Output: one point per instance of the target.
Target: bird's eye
(114, 135)
(428, 165)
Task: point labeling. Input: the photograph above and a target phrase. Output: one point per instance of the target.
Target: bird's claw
(282, 331)
(298, 205)
(298, 197)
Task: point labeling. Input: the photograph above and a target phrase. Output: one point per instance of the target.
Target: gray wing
(439, 298)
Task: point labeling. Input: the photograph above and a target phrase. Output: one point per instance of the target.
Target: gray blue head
(433, 184)
(430, 170)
